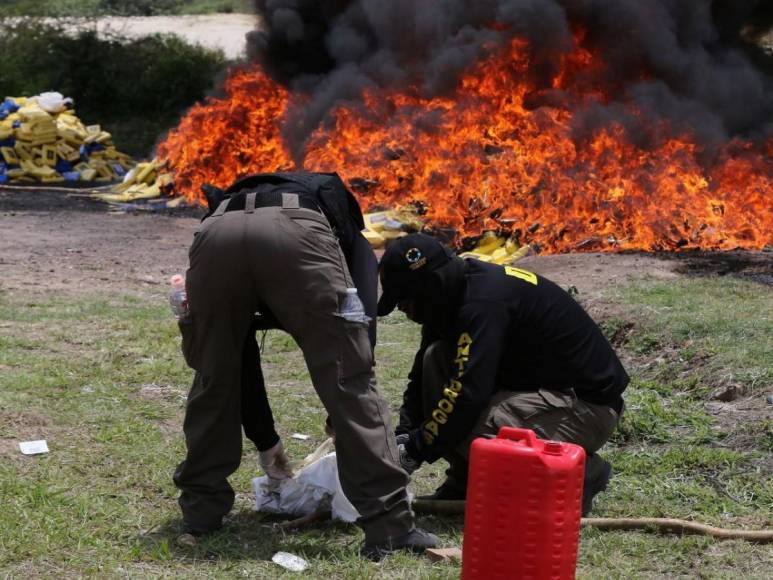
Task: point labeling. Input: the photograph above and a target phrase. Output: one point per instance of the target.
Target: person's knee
(436, 365)
(435, 355)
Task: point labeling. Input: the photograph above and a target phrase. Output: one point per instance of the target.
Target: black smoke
(688, 62)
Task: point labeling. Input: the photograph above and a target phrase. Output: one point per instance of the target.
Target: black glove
(407, 461)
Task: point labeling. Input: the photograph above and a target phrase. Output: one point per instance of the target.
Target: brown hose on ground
(306, 520)
(662, 525)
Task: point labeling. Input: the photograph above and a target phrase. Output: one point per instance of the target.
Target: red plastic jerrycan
(522, 518)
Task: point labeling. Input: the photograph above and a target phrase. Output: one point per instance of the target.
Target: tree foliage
(135, 88)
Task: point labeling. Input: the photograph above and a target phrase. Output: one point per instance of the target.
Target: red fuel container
(522, 518)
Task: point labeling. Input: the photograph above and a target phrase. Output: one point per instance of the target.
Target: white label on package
(290, 561)
(33, 447)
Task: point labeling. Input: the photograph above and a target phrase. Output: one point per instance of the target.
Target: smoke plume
(684, 62)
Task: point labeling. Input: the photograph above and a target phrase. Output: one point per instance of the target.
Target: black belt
(270, 199)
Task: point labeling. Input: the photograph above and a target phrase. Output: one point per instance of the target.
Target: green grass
(101, 378)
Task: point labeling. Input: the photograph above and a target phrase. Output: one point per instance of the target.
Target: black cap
(405, 265)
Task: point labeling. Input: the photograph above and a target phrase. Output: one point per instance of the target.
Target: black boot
(449, 490)
(599, 472)
(417, 540)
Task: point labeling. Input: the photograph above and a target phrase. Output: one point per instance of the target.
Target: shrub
(139, 7)
(92, 8)
(135, 88)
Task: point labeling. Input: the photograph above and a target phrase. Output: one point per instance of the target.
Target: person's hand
(329, 431)
(275, 462)
(407, 462)
(402, 439)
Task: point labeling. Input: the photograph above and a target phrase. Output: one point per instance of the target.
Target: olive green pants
(553, 415)
(287, 260)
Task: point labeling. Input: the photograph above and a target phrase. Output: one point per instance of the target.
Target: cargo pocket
(558, 399)
(356, 356)
(526, 405)
(189, 346)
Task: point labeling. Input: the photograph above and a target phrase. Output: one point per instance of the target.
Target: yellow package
(48, 155)
(500, 253)
(28, 113)
(23, 151)
(375, 239)
(66, 152)
(88, 174)
(145, 172)
(9, 154)
(106, 171)
(489, 243)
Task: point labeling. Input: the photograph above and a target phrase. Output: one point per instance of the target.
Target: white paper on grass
(290, 561)
(33, 447)
(314, 488)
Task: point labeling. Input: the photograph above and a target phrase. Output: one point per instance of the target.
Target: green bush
(92, 8)
(134, 88)
(49, 8)
(139, 7)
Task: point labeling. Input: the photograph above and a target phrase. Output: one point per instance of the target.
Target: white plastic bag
(53, 102)
(314, 488)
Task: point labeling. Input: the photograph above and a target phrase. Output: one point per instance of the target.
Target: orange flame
(481, 160)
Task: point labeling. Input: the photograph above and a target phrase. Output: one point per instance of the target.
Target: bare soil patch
(72, 243)
(18, 426)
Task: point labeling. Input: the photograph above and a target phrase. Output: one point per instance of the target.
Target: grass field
(101, 378)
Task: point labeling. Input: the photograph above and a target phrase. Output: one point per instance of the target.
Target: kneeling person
(500, 346)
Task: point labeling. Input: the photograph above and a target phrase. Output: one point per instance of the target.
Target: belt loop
(249, 202)
(221, 208)
(290, 201)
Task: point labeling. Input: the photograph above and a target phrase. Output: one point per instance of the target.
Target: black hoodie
(508, 329)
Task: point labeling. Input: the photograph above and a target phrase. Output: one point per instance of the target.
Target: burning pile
(42, 140)
(537, 130)
(145, 181)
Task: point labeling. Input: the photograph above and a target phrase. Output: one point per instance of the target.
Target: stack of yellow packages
(147, 180)
(43, 141)
(497, 249)
(382, 226)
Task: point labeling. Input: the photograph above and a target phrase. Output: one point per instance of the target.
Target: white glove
(275, 462)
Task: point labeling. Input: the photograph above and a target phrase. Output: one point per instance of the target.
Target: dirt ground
(70, 243)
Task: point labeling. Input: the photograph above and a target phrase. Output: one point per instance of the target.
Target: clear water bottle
(178, 299)
(352, 308)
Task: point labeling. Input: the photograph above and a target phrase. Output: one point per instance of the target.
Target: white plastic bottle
(178, 299)
(352, 308)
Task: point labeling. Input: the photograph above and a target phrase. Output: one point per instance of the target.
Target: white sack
(314, 488)
(53, 102)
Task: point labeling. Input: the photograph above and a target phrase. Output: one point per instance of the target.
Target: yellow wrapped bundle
(44, 140)
(143, 182)
(382, 226)
(496, 249)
